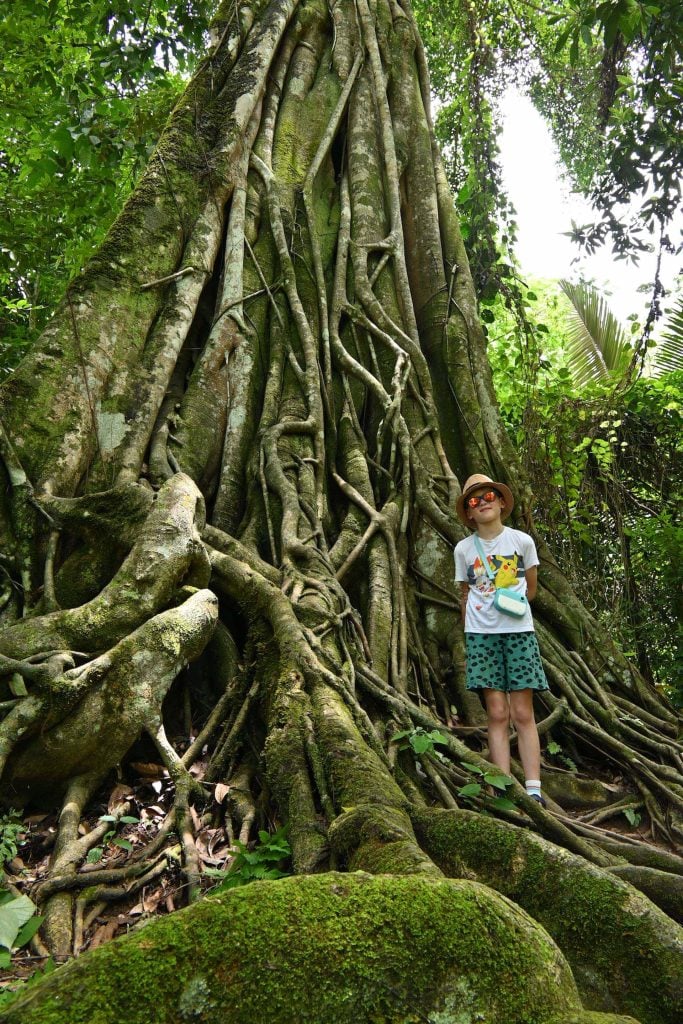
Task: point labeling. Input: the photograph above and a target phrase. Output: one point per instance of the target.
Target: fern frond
(598, 346)
(668, 355)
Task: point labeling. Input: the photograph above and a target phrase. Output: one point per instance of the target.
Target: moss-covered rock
(589, 1017)
(326, 948)
(626, 955)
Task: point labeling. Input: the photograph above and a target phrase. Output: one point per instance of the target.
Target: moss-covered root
(590, 1017)
(122, 693)
(663, 888)
(328, 949)
(626, 955)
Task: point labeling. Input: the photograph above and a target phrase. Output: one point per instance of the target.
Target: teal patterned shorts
(504, 661)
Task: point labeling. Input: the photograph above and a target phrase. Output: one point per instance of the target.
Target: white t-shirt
(509, 555)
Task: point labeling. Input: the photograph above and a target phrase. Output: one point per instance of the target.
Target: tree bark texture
(239, 443)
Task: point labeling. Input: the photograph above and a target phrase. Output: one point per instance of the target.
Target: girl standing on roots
(496, 570)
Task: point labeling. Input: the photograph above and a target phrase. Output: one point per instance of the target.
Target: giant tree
(229, 472)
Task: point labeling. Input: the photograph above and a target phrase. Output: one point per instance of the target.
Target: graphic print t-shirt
(509, 555)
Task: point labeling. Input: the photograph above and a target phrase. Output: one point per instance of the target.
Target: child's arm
(531, 582)
(464, 591)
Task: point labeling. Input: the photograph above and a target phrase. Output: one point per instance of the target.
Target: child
(503, 658)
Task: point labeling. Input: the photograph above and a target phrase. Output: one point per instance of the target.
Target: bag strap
(480, 551)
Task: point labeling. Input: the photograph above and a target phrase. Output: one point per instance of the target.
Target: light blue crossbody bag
(507, 601)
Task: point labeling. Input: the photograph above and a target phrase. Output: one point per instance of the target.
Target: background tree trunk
(239, 443)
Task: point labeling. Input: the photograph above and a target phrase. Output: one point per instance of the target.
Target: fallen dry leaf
(104, 933)
(220, 792)
(152, 901)
(119, 795)
(151, 813)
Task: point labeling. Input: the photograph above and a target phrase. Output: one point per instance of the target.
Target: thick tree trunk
(269, 382)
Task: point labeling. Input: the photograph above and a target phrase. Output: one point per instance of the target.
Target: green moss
(588, 1017)
(625, 953)
(329, 948)
(301, 125)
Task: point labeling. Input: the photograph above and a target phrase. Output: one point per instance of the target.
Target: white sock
(533, 787)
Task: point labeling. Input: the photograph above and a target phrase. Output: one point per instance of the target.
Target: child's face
(489, 508)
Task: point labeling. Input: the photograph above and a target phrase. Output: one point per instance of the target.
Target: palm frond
(668, 355)
(597, 345)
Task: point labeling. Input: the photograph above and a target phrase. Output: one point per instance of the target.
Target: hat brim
(495, 485)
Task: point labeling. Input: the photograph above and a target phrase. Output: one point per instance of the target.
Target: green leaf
(107, 817)
(128, 819)
(498, 781)
(562, 41)
(471, 789)
(472, 768)
(668, 354)
(598, 346)
(94, 855)
(553, 747)
(13, 916)
(420, 743)
(27, 931)
(270, 853)
(503, 803)
(5, 959)
(125, 844)
(63, 143)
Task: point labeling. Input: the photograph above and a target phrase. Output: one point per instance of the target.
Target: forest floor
(147, 793)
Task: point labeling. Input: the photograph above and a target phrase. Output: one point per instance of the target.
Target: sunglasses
(488, 496)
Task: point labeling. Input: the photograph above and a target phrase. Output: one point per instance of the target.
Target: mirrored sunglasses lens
(489, 496)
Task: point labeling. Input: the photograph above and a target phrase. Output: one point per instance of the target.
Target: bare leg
(522, 714)
(498, 712)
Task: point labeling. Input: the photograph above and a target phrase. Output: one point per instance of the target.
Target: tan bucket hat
(474, 483)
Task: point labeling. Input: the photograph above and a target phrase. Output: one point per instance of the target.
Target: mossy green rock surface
(626, 955)
(327, 949)
(588, 1017)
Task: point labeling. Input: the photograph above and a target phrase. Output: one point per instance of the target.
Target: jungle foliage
(85, 88)
(601, 444)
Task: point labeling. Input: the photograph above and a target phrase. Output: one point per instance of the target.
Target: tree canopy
(85, 88)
